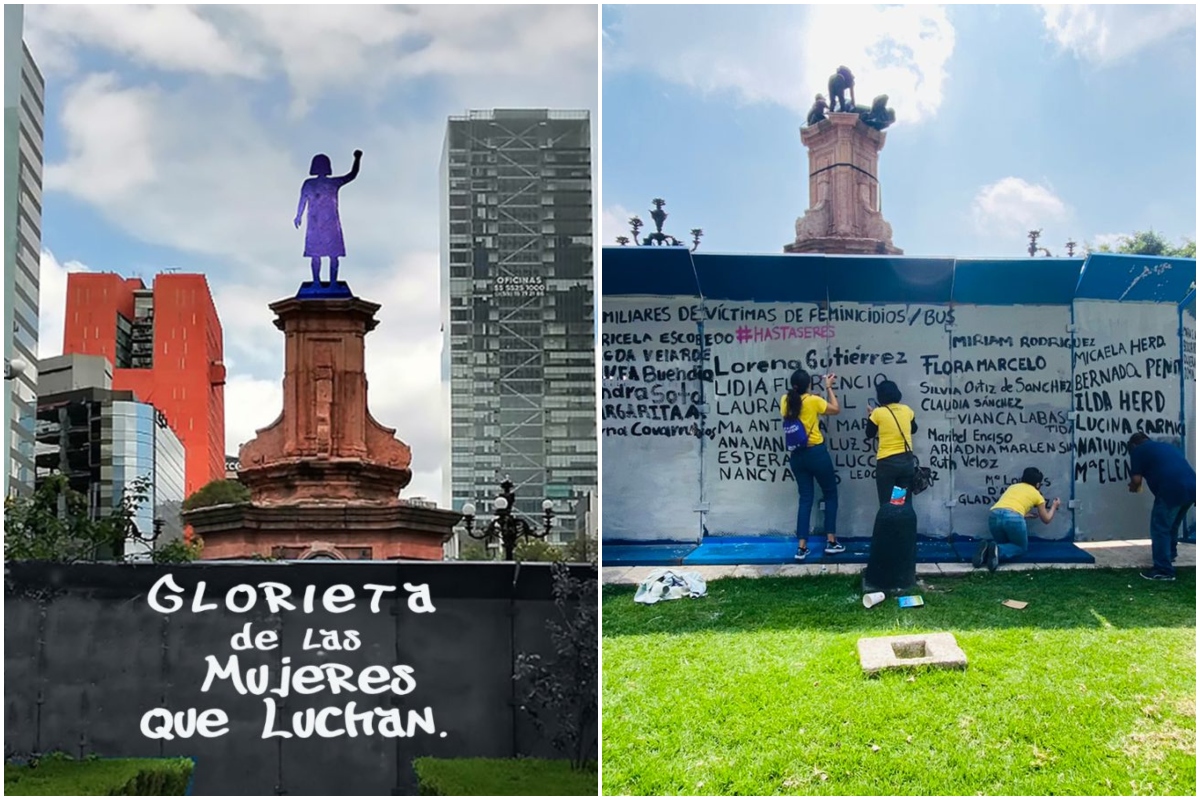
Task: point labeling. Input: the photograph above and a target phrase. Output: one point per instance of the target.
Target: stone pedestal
(338, 531)
(844, 214)
(325, 477)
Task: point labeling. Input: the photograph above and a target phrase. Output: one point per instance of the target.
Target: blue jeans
(1009, 532)
(1165, 520)
(807, 464)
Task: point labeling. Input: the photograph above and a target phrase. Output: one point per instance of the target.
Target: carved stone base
(840, 246)
(325, 444)
(339, 479)
(844, 214)
(342, 531)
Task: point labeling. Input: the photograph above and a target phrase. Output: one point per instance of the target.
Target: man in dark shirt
(1173, 481)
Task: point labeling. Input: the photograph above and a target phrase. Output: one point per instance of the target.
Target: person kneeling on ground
(1006, 522)
(1173, 482)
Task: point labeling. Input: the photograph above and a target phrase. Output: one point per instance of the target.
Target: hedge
(504, 776)
(102, 776)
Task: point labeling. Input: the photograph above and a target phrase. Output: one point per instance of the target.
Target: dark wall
(86, 656)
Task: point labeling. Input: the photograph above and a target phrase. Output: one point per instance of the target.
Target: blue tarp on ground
(653, 554)
(762, 550)
(1041, 551)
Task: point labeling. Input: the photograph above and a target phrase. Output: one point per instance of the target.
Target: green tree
(560, 694)
(1149, 243)
(217, 493)
(581, 550)
(55, 524)
(475, 551)
(537, 550)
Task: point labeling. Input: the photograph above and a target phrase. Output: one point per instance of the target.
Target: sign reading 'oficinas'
(518, 286)
(269, 683)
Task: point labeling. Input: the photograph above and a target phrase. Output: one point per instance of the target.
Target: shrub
(59, 774)
(492, 776)
(217, 493)
(55, 524)
(537, 550)
(562, 692)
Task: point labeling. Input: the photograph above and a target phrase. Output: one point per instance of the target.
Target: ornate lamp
(505, 525)
(657, 237)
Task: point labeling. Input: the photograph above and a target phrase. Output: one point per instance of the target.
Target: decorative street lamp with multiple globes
(507, 526)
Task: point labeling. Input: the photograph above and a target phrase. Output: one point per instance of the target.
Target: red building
(166, 346)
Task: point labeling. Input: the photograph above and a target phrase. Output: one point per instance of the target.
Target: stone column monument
(844, 214)
(324, 477)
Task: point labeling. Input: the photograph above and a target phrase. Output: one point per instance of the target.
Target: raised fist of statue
(358, 153)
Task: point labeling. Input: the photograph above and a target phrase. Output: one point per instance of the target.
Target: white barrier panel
(1188, 334)
(650, 414)
(748, 484)
(1012, 416)
(1189, 379)
(1127, 373)
(691, 422)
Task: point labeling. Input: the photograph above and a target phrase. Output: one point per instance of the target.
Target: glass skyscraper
(518, 311)
(103, 440)
(24, 91)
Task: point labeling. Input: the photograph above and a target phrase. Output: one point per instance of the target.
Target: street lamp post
(506, 525)
(657, 237)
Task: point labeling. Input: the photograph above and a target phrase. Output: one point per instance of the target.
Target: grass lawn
(104, 776)
(503, 776)
(756, 689)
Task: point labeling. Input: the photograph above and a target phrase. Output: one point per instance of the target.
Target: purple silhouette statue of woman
(319, 194)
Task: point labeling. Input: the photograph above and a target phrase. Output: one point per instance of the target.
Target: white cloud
(1110, 33)
(250, 404)
(784, 55)
(403, 364)
(330, 48)
(109, 139)
(614, 222)
(1013, 206)
(212, 168)
(52, 302)
(1110, 239)
(168, 37)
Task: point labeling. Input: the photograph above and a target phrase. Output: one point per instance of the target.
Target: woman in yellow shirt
(811, 461)
(894, 423)
(1006, 522)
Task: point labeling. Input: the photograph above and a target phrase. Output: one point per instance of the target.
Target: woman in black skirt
(894, 423)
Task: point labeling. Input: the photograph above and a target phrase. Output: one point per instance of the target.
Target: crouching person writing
(1006, 522)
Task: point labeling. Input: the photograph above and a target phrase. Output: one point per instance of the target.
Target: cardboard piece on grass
(1017, 604)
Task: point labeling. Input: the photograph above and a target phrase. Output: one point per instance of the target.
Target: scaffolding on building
(522, 326)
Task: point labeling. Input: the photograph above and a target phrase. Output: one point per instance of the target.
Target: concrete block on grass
(937, 650)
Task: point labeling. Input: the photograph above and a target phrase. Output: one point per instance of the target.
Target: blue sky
(1078, 120)
(179, 136)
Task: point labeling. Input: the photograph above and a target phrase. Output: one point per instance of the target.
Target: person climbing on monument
(319, 194)
(1172, 480)
(894, 423)
(808, 456)
(1006, 522)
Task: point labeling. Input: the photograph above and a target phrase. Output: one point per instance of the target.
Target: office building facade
(102, 441)
(24, 97)
(166, 346)
(518, 310)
